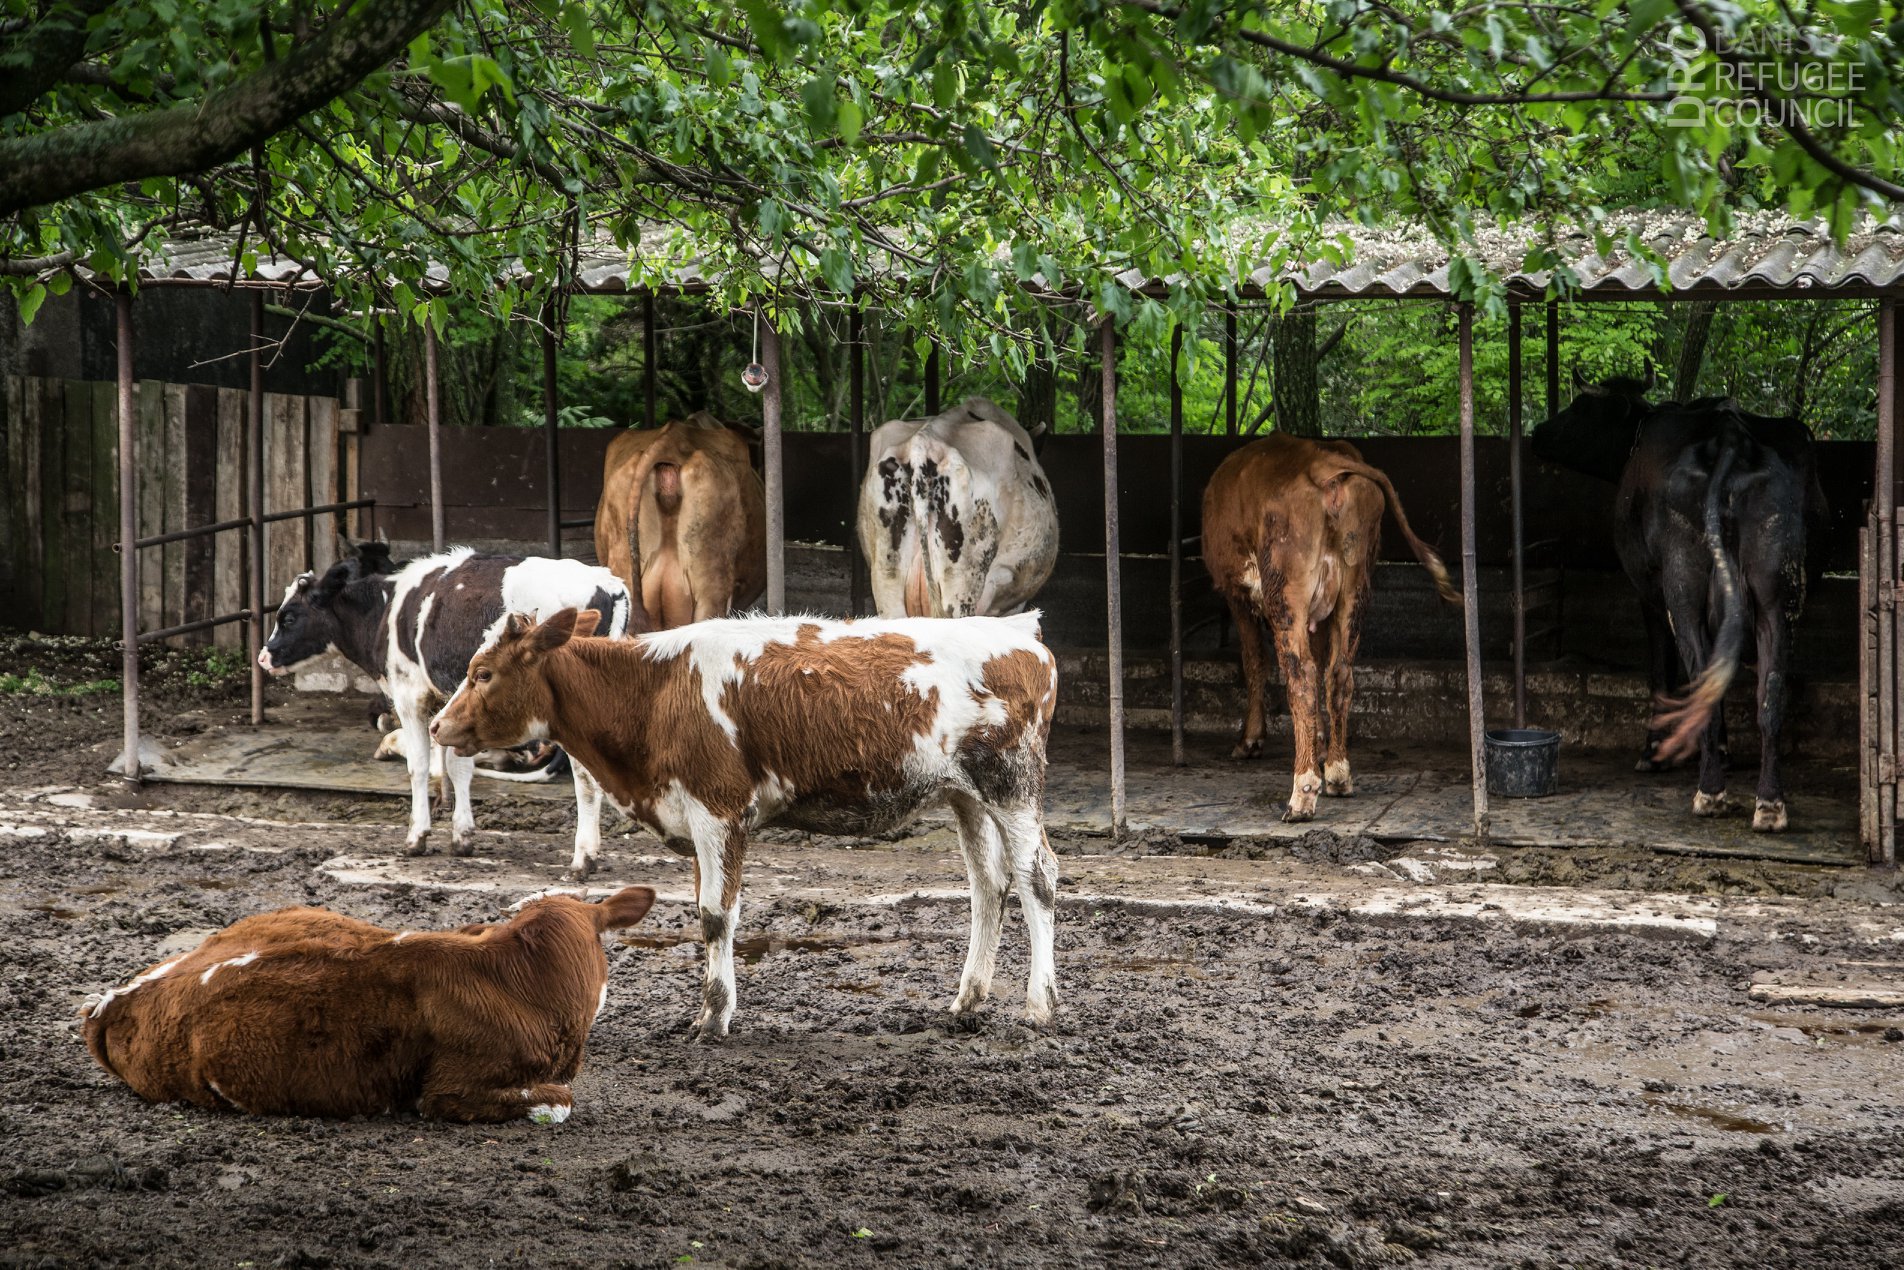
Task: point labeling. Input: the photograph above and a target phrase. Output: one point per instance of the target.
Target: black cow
(416, 629)
(1714, 511)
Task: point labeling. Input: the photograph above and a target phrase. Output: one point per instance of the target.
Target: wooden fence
(61, 500)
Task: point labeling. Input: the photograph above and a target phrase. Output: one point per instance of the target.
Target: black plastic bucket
(1522, 762)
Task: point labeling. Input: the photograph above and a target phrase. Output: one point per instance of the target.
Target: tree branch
(49, 166)
(33, 60)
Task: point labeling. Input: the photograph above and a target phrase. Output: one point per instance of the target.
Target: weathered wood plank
(200, 503)
(172, 469)
(284, 489)
(322, 431)
(149, 467)
(105, 489)
(23, 538)
(1849, 996)
(33, 539)
(76, 504)
(228, 550)
(52, 485)
(350, 448)
(9, 444)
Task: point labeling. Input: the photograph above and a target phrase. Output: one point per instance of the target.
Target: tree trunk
(1692, 350)
(1298, 403)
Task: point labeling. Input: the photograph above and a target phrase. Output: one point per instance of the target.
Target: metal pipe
(1884, 501)
(775, 477)
(856, 419)
(380, 373)
(649, 371)
(221, 526)
(1470, 579)
(1113, 583)
(1229, 372)
(254, 463)
(551, 433)
(187, 628)
(435, 408)
(1514, 477)
(128, 532)
(932, 379)
(1176, 547)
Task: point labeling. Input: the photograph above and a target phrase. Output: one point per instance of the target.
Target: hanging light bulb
(754, 378)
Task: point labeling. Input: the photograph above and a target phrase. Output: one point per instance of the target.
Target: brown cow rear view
(305, 1012)
(682, 522)
(1290, 532)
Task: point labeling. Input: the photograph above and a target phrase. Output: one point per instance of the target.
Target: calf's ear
(553, 631)
(517, 625)
(624, 908)
(586, 620)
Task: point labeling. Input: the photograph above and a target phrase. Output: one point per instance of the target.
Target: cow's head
(505, 700)
(1595, 433)
(311, 620)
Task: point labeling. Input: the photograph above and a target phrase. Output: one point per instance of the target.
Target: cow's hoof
(463, 846)
(1769, 817)
(419, 845)
(708, 1030)
(1248, 749)
(1704, 804)
(969, 999)
(580, 870)
(1294, 815)
(1040, 1006)
(1337, 782)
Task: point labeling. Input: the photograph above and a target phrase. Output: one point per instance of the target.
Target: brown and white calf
(304, 1012)
(705, 732)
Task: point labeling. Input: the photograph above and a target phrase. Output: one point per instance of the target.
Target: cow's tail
(1683, 721)
(1423, 552)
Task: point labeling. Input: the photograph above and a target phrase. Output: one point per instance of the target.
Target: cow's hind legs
(1249, 635)
(588, 821)
(1036, 870)
(988, 872)
(1301, 677)
(717, 861)
(543, 1103)
(1768, 812)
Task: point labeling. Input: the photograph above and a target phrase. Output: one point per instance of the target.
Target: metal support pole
(1229, 372)
(1113, 583)
(254, 463)
(1514, 477)
(1884, 501)
(1553, 358)
(1470, 579)
(932, 380)
(380, 406)
(551, 433)
(856, 416)
(649, 371)
(770, 457)
(435, 406)
(1176, 547)
(128, 536)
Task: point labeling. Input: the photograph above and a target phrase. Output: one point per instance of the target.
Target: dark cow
(417, 628)
(1711, 521)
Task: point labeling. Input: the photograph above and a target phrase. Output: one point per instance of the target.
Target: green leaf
(581, 31)
(849, 120)
(979, 147)
(945, 85)
(767, 23)
(1717, 1200)
(821, 105)
(30, 303)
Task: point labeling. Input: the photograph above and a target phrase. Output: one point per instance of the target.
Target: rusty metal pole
(551, 433)
(856, 416)
(1470, 579)
(1229, 372)
(128, 534)
(1176, 547)
(435, 407)
(649, 341)
(1113, 582)
(1514, 478)
(254, 463)
(932, 379)
(1885, 504)
(771, 459)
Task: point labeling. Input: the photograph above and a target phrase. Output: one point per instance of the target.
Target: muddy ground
(1223, 1087)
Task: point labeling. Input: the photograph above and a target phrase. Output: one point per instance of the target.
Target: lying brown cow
(304, 1012)
(1291, 528)
(704, 733)
(682, 522)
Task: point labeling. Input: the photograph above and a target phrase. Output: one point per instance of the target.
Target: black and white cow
(1716, 512)
(415, 630)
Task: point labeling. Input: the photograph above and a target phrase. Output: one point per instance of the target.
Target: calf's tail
(1683, 721)
(1423, 552)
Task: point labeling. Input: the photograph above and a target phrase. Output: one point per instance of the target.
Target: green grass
(219, 665)
(35, 684)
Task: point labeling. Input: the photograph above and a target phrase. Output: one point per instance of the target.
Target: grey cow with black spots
(415, 630)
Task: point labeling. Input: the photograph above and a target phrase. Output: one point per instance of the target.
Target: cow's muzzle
(454, 737)
(267, 665)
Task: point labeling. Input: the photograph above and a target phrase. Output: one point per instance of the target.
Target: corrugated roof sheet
(1766, 252)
